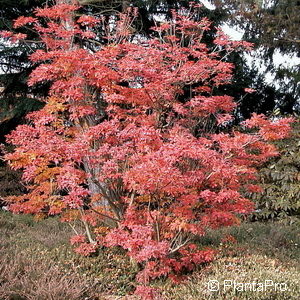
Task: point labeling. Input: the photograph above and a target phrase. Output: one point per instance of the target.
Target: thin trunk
(95, 187)
(125, 5)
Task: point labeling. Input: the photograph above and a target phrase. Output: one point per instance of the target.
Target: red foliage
(229, 239)
(21, 21)
(77, 239)
(146, 292)
(85, 249)
(116, 137)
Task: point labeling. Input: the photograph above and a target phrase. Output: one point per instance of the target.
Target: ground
(37, 262)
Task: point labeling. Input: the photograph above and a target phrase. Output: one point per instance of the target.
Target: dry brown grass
(37, 263)
(24, 276)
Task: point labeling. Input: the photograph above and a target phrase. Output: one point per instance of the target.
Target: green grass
(37, 262)
(273, 239)
(264, 253)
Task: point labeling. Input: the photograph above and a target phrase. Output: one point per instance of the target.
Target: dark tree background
(273, 26)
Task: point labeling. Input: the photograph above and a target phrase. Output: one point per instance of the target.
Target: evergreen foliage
(281, 182)
(273, 26)
(17, 99)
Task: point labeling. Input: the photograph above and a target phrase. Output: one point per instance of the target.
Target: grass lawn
(37, 263)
